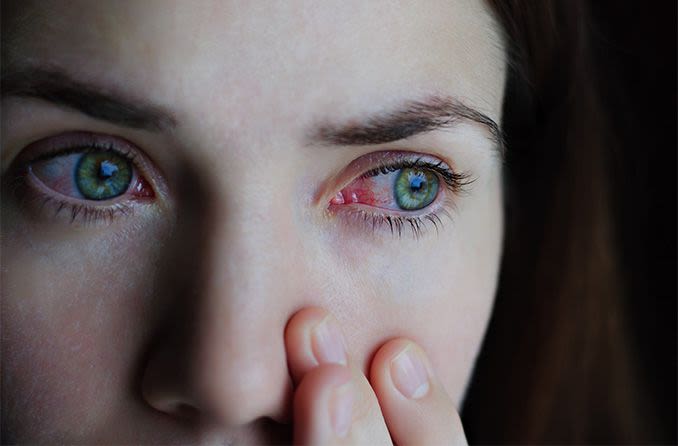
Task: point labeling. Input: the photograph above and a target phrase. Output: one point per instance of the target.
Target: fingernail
(342, 408)
(409, 373)
(328, 343)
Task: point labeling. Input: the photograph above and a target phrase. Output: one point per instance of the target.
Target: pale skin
(239, 304)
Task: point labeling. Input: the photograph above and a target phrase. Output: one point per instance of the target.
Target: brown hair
(556, 363)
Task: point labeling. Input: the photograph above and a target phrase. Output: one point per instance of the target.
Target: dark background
(636, 46)
(634, 50)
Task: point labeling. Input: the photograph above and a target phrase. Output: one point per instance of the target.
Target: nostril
(185, 411)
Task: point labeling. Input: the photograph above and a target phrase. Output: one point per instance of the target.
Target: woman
(266, 222)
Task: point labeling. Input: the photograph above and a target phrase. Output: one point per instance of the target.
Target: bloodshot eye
(404, 190)
(398, 189)
(90, 177)
(92, 174)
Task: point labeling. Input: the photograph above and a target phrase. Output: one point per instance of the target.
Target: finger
(323, 406)
(414, 403)
(313, 337)
(313, 340)
(335, 404)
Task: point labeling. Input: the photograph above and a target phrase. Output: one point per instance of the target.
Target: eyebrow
(56, 87)
(410, 119)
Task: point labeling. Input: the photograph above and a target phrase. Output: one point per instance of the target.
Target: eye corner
(141, 189)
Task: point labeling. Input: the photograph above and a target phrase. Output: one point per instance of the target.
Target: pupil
(107, 169)
(416, 183)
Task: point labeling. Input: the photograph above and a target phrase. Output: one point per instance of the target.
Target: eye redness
(408, 189)
(95, 177)
(405, 189)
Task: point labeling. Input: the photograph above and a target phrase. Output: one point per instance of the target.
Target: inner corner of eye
(141, 189)
(401, 189)
(361, 191)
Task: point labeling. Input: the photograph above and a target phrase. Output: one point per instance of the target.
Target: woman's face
(179, 178)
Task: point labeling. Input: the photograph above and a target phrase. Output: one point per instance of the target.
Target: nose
(222, 356)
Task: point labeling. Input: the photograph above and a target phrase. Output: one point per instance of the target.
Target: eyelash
(89, 214)
(84, 213)
(455, 182)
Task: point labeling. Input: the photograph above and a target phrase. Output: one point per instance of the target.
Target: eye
(404, 189)
(94, 176)
(402, 184)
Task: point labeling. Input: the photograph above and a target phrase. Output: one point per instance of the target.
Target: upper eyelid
(418, 162)
(365, 163)
(453, 178)
(76, 141)
(132, 156)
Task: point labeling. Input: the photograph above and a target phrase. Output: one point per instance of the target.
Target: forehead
(447, 44)
(320, 54)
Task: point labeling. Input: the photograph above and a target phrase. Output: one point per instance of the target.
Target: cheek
(72, 322)
(438, 291)
(442, 306)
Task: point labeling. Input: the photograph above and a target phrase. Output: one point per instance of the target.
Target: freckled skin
(198, 283)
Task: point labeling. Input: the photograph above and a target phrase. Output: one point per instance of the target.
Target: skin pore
(166, 323)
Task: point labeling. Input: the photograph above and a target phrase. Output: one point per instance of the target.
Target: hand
(334, 403)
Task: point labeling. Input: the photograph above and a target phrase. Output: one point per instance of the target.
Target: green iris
(415, 188)
(102, 175)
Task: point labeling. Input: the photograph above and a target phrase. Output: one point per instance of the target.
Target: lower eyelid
(375, 221)
(79, 213)
(373, 224)
(41, 203)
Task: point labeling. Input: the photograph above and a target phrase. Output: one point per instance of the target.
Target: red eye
(405, 189)
(91, 174)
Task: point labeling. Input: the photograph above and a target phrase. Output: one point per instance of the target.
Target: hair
(556, 364)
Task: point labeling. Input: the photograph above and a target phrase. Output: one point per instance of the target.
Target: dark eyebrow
(55, 86)
(412, 118)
